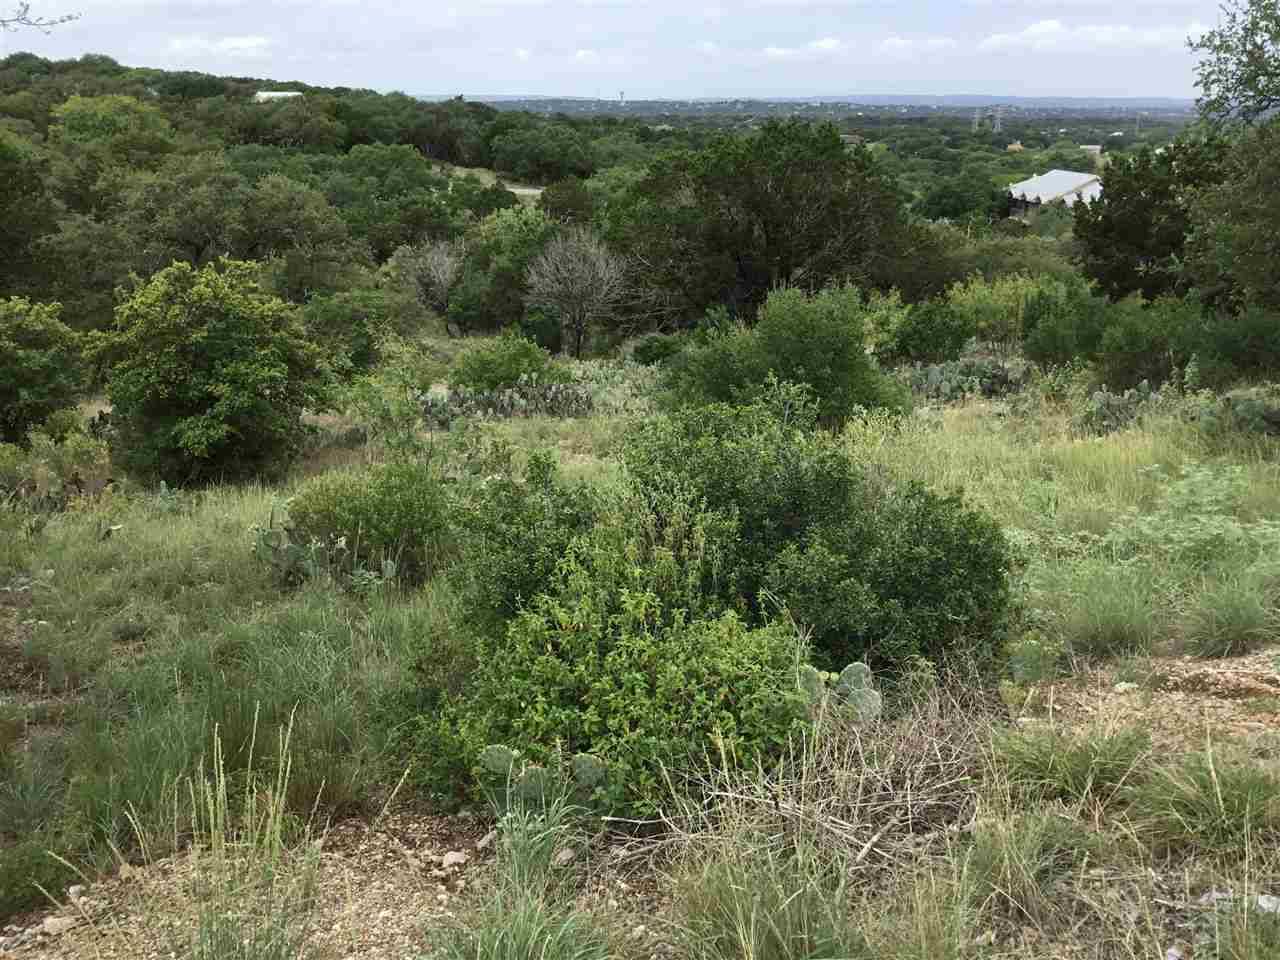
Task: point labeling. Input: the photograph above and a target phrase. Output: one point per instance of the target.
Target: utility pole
(999, 123)
(977, 119)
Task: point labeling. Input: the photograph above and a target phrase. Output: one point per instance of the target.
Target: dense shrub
(909, 574)
(349, 326)
(514, 528)
(394, 512)
(1062, 322)
(504, 362)
(878, 573)
(1146, 342)
(931, 332)
(994, 309)
(40, 368)
(210, 376)
(817, 340)
(1228, 346)
(624, 658)
(657, 347)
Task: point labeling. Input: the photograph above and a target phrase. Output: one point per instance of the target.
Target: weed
(1228, 619)
(1087, 767)
(1206, 803)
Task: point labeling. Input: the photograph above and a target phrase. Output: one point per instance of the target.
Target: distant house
(1065, 185)
(1093, 149)
(266, 96)
(1015, 147)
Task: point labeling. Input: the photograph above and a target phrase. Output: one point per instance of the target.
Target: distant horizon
(861, 98)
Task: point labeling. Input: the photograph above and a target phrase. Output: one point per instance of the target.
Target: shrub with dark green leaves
(40, 365)
(513, 531)
(627, 657)
(817, 340)
(1146, 341)
(504, 362)
(1062, 323)
(655, 348)
(349, 326)
(879, 573)
(910, 574)
(395, 512)
(930, 332)
(209, 376)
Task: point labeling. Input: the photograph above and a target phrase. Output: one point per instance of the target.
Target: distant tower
(998, 126)
(622, 97)
(977, 120)
(1137, 125)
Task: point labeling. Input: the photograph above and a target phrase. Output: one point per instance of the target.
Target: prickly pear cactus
(812, 684)
(535, 785)
(854, 690)
(498, 761)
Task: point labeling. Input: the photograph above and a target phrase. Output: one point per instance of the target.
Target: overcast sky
(653, 48)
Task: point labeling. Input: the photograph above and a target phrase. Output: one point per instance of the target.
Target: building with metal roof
(1065, 185)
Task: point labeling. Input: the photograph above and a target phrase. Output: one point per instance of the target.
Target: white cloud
(589, 57)
(1054, 36)
(709, 47)
(905, 46)
(251, 47)
(523, 54)
(815, 48)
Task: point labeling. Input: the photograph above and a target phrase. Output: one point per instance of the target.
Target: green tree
(1131, 238)
(492, 289)
(792, 205)
(1239, 69)
(296, 228)
(209, 376)
(27, 209)
(1233, 254)
(93, 135)
(40, 365)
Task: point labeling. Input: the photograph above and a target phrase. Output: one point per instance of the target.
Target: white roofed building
(1065, 185)
(266, 96)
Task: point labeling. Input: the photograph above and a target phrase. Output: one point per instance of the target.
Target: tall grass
(530, 913)
(254, 893)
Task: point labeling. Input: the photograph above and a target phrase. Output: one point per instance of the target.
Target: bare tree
(433, 270)
(578, 279)
(21, 17)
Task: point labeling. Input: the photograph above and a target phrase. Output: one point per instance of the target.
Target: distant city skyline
(658, 49)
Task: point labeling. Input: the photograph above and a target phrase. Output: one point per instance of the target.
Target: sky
(653, 48)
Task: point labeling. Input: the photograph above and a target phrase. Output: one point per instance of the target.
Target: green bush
(878, 573)
(40, 365)
(349, 326)
(513, 530)
(396, 512)
(931, 332)
(816, 340)
(626, 657)
(1146, 342)
(656, 348)
(1063, 322)
(1233, 345)
(909, 574)
(209, 376)
(504, 362)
